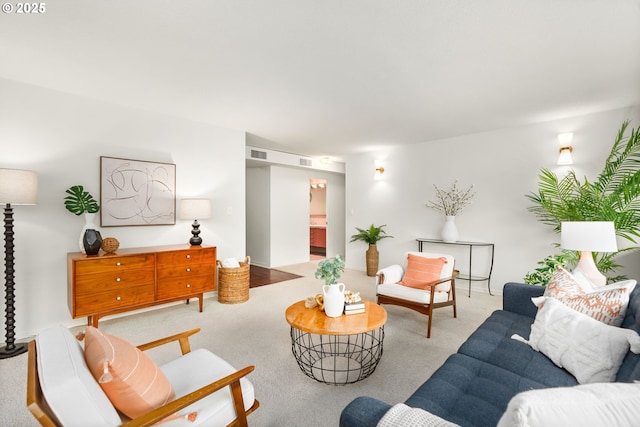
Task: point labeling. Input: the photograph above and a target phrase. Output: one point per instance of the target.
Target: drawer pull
(118, 264)
(117, 279)
(188, 269)
(118, 298)
(188, 256)
(188, 285)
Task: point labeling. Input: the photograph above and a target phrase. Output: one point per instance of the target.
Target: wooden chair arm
(232, 380)
(451, 278)
(182, 337)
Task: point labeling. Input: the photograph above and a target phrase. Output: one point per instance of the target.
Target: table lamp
(195, 209)
(17, 187)
(587, 237)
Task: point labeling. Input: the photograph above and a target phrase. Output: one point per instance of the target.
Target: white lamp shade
(195, 209)
(593, 236)
(18, 187)
(565, 157)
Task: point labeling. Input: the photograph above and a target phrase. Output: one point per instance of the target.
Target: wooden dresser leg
(200, 297)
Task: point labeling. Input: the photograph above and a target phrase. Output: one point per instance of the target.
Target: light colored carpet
(256, 333)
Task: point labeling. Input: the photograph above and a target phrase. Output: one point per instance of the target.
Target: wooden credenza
(135, 278)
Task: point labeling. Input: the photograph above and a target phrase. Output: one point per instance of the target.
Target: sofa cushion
(630, 368)
(469, 392)
(599, 404)
(492, 343)
(132, 381)
(592, 351)
(72, 393)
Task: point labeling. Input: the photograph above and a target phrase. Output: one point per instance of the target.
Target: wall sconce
(379, 170)
(565, 149)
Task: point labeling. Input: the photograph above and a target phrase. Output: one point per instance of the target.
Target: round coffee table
(337, 350)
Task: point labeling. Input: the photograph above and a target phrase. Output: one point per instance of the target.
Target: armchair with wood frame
(393, 284)
(62, 391)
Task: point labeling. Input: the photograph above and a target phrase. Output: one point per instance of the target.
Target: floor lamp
(17, 187)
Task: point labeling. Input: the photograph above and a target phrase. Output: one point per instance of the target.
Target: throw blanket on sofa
(406, 416)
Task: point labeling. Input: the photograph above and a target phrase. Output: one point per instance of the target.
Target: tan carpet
(256, 333)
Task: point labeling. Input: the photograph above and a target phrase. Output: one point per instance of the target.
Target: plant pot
(372, 260)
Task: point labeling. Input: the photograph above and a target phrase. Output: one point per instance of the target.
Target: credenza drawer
(116, 263)
(185, 271)
(89, 304)
(194, 256)
(181, 286)
(111, 280)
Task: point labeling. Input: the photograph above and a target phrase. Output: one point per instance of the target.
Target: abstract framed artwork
(136, 192)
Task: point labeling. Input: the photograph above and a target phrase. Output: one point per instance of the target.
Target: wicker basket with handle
(233, 283)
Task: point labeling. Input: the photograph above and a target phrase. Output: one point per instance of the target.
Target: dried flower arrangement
(452, 202)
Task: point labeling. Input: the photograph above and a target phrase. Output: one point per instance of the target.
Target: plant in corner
(80, 202)
(613, 196)
(371, 237)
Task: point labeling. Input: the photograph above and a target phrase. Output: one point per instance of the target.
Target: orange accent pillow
(421, 270)
(131, 380)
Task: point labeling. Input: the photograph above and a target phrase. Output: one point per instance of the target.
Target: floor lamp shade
(195, 209)
(17, 187)
(587, 237)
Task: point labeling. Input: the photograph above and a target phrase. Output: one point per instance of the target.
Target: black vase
(92, 240)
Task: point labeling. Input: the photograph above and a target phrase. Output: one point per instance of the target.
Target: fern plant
(613, 196)
(370, 235)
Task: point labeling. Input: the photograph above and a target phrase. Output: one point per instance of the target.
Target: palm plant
(370, 235)
(614, 196)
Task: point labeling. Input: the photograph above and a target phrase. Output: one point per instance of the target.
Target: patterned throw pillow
(608, 304)
(422, 270)
(131, 380)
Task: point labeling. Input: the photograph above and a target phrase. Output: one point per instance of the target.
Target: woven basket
(233, 283)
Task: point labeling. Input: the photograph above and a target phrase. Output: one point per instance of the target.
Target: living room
(56, 120)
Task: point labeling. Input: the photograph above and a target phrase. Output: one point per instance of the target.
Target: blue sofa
(474, 386)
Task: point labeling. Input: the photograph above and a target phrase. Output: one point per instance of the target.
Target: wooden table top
(314, 321)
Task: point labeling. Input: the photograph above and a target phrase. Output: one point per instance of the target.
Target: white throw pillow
(601, 404)
(587, 348)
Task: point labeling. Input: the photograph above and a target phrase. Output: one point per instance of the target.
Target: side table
(469, 277)
(336, 350)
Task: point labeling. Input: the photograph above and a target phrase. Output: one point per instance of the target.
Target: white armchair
(62, 391)
(422, 297)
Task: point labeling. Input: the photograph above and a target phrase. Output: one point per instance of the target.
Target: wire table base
(337, 359)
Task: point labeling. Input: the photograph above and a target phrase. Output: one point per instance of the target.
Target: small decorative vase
(449, 230)
(89, 241)
(333, 299)
(372, 260)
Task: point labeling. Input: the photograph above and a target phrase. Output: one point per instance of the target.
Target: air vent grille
(306, 162)
(255, 154)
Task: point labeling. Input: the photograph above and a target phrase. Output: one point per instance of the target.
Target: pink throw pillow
(422, 270)
(131, 380)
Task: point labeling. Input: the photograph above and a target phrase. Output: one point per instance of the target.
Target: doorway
(317, 218)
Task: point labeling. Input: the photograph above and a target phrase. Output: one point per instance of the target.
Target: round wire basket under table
(337, 359)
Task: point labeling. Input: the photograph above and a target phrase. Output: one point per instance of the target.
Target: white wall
(62, 137)
(287, 240)
(503, 166)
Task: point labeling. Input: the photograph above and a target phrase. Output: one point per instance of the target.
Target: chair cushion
(411, 294)
(134, 384)
(67, 384)
(590, 350)
(422, 270)
(599, 404)
(198, 369)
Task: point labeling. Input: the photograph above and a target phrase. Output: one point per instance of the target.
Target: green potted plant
(613, 196)
(330, 270)
(78, 202)
(371, 236)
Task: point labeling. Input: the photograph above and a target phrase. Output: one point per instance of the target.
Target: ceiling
(335, 77)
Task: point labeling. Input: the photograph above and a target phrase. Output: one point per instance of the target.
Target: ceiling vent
(255, 154)
(306, 162)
